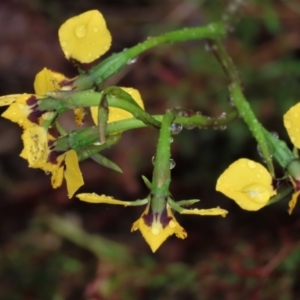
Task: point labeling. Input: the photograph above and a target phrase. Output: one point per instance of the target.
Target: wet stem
(241, 103)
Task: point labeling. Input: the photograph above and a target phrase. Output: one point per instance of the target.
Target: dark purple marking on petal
(52, 157)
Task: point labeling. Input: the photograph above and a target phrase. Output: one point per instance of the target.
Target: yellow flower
(23, 108)
(38, 152)
(248, 183)
(117, 114)
(291, 121)
(85, 37)
(155, 227)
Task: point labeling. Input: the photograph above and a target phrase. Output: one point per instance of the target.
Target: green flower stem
(240, 102)
(62, 101)
(88, 136)
(116, 62)
(161, 174)
(204, 121)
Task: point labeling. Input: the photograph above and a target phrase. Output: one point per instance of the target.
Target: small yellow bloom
(85, 37)
(248, 183)
(23, 108)
(156, 229)
(117, 114)
(291, 121)
(37, 151)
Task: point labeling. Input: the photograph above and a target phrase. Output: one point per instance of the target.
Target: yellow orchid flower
(291, 121)
(37, 151)
(84, 37)
(23, 108)
(248, 183)
(155, 228)
(117, 114)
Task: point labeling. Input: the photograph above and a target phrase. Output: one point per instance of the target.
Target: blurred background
(55, 248)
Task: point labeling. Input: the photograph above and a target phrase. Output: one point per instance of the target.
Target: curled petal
(72, 173)
(205, 212)
(291, 121)
(248, 183)
(293, 202)
(85, 37)
(94, 198)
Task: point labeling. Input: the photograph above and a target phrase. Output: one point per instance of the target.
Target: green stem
(116, 62)
(161, 174)
(240, 102)
(62, 101)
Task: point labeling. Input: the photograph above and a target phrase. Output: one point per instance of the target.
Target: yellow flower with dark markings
(23, 108)
(85, 37)
(39, 152)
(248, 183)
(155, 227)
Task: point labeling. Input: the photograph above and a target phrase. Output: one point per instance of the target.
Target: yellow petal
(248, 183)
(9, 99)
(48, 81)
(57, 177)
(79, 116)
(293, 202)
(205, 212)
(291, 121)
(117, 114)
(85, 37)
(35, 146)
(156, 234)
(72, 173)
(20, 111)
(94, 198)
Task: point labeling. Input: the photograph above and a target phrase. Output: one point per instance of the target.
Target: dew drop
(293, 139)
(95, 29)
(172, 224)
(251, 164)
(223, 115)
(171, 140)
(132, 61)
(172, 164)
(296, 115)
(153, 159)
(275, 134)
(287, 124)
(155, 230)
(80, 31)
(175, 128)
